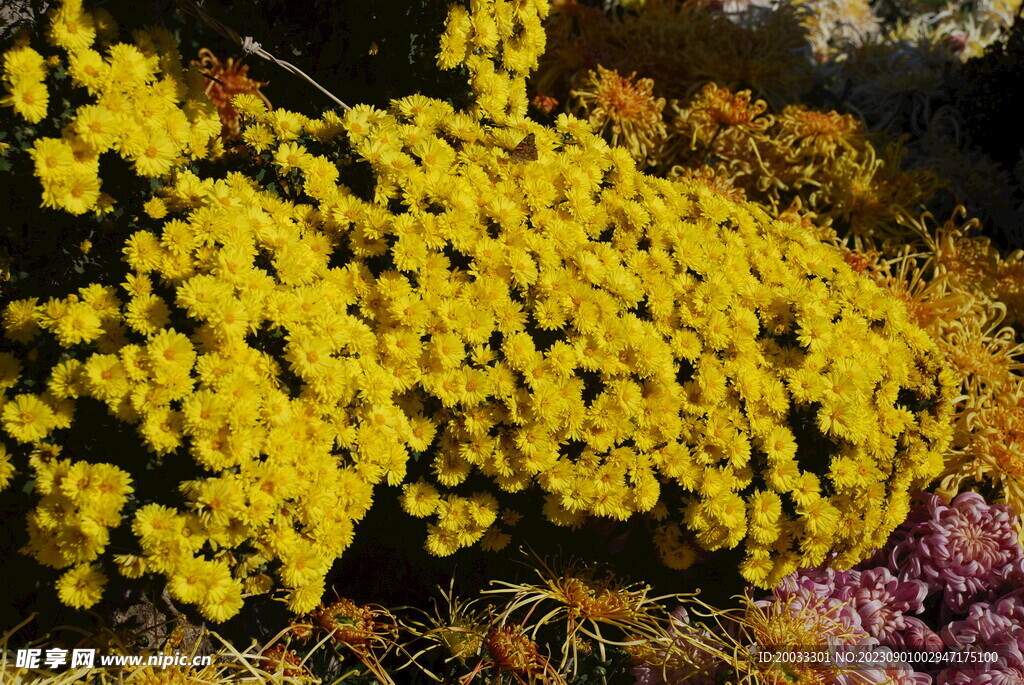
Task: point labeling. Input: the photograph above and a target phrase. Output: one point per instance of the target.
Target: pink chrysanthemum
(989, 624)
(882, 599)
(918, 636)
(995, 626)
(967, 549)
(1004, 676)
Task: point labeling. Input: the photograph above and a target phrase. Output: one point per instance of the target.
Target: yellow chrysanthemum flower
(23, 63)
(29, 99)
(10, 371)
(82, 586)
(53, 157)
(95, 126)
(88, 69)
(72, 29)
(286, 125)
(291, 156)
(26, 418)
(79, 323)
(6, 467)
(153, 154)
(78, 192)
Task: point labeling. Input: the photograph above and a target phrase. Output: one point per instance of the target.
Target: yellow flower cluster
(499, 42)
(263, 449)
(143, 107)
(461, 521)
(599, 334)
(80, 504)
(24, 75)
(551, 320)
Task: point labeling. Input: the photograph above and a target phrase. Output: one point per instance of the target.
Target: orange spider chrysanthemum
(228, 79)
(627, 106)
(820, 133)
(731, 109)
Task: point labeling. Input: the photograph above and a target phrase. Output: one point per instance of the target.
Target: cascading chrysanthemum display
(682, 296)
(549, 320)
